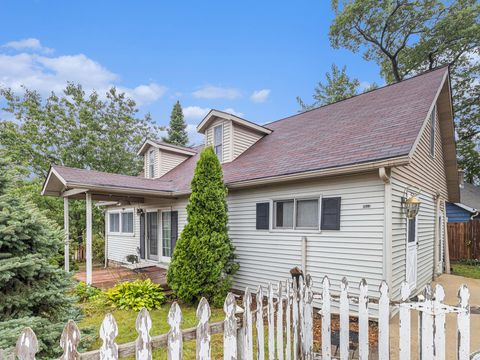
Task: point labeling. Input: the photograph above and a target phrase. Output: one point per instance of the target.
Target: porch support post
(88, 198)
(67, 235)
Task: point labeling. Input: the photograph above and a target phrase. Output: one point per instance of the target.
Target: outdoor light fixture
(411, 204)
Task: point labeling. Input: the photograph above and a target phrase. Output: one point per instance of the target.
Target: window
(218, 140)
(151, 163)
(411, 230)
(166, 234)
(263, 216)
(307, 214)
(283, 214)
(331, 213)
(127, 222)
(121, 222)
(114, 221)
(432, 131)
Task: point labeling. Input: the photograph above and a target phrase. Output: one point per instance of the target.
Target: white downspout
(387, 230)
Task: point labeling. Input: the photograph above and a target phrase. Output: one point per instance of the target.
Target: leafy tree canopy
(407, 37)
(74, 129)
(177, 134)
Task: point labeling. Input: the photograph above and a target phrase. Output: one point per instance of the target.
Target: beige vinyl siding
(354, 251)
(119, 246)
(227, 145)
(169, 160)
(424, 171)
(243, 138)
(426, 174)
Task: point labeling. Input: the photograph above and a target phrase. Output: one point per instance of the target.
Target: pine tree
(177, 134)
(203, 261)
(33, 291)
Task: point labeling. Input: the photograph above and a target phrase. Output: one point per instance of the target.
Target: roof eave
(227, 116)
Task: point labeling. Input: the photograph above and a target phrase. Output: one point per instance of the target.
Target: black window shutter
(174, 224)
(331, 213)
(142, 235)
(263, 216)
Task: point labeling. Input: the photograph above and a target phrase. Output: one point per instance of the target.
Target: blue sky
(248, 57)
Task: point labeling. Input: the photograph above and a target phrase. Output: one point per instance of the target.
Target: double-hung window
(218, 141)
(151, 164)
(120, 222)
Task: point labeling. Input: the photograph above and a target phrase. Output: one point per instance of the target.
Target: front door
(412, 243)
(169, 233)
(152, 235)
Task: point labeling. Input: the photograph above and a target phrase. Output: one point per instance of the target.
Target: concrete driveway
(450, 283)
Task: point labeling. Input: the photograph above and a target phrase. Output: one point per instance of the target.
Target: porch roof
(73, 183)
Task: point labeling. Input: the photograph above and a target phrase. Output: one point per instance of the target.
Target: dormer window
(218, 141)
(433, 117)
(151, 163)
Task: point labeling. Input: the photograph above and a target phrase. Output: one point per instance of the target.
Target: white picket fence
(283, 318)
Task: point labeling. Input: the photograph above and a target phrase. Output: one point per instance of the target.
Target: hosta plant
(133, 295)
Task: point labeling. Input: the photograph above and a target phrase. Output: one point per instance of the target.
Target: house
(469, 206)
(324, 189)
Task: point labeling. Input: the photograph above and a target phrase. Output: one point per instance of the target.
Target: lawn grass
(126, 327)
(471, 271)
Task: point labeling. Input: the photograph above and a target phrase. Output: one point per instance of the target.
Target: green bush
(86, 292)
(133, 295)
(203, 261)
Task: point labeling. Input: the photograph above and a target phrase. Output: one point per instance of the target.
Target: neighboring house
(469, 206)
(321, 189)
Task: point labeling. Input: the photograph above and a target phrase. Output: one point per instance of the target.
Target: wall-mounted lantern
(411, 204)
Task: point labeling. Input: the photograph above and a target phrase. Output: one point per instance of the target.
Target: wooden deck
(105, 278)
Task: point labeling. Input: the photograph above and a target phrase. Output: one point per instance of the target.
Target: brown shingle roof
(98, 178)
(381, 124)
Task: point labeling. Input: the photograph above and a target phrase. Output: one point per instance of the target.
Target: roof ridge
(358, 95)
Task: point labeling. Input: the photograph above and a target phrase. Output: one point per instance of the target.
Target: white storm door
(412, 242)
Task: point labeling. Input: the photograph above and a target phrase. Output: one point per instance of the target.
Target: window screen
(151, 164)
(412, 223)
(263, 216)
(331, 213)
(114, 222)
(127, 222)
(218, 140)
(307, 214)
(284, 214)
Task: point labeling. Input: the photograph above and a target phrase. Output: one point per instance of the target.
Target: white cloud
(194, 137)
(217, 92)
(233, 112)
(364, 85)
(195, 112)
(260, 96)
(28, 44)
(51, 73)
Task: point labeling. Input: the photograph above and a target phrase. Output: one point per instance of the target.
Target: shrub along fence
(464, 240)
(286, 326)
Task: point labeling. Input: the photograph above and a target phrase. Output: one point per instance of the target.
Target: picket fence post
(463, 324)
(383, 322)
(404, 341)
(280, 349)
(288, 321)
(69, 341)
(363, 321)
(174, 337)
(259, 325)
(344, 320)
(326, 320)
(27, 345)
(143, 344)
(230, 329)
(108, 333)
(296, 324)
(248, 324)
(439, 349)
(271, 322)
(203, 330)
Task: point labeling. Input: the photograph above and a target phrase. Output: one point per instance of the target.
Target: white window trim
(295, 229)
(120, 212)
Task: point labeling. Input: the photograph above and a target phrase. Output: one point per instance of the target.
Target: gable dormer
(229, 135)
(159, 157)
